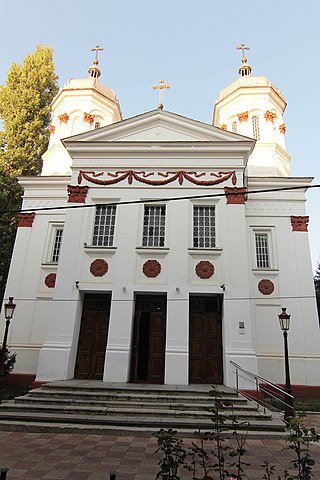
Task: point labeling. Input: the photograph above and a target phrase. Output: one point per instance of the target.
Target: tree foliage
(25, 112)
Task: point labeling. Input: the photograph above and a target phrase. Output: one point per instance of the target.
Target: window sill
(155, 250)
(202, 250)
(98, 248)
(266, 270)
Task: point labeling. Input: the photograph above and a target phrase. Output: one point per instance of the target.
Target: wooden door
(205, 342)
(148, 346)
(93, 337)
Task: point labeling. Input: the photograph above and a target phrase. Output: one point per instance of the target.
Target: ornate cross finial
(161, 86)
(96, 49)
(243, 47)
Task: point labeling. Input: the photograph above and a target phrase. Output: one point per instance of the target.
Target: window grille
(204, 234)
(234, 127)
(154, 226)
(262, 250)
(104, 226)
(255, 127)
(56, 248)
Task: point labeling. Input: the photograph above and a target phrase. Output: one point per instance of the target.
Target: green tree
(25, 112)
(10, 199)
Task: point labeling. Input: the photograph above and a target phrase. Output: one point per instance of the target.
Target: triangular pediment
(157, 126)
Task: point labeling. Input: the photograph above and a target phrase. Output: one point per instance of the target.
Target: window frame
(269, 231)
(143, 226)
(203, 205)
(96, 245)
(53, 229)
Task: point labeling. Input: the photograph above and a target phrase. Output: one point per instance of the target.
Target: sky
(192, 45)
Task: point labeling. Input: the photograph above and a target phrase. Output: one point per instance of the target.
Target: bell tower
(252, 106)
(81, 105)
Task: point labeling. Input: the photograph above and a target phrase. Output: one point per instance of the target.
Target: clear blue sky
(191, 44)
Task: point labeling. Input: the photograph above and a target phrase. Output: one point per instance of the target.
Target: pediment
(157, 126)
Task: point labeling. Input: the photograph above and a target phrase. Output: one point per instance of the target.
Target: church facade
(158, 248)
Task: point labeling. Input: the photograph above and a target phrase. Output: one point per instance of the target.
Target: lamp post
(284, 319)
(8, 313)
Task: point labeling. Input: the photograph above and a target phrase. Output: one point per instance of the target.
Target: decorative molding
(151, 268)
(204, 269)
(26, 219)
(64, 117)
(163, 177)
(52, 129)
(235, 195)
(270, 116)
(50, 280)
(299, 224)
(99, 267)
(282, 128)
(223, 126)
(77, 194)
(243, 117)
(265, 286)
(87, 117)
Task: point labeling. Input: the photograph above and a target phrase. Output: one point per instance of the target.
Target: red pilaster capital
(235, 195)
(299, 224)
(77, 194)
(26, 219)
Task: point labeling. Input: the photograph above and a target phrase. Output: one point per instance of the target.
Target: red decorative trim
(170, 177)
(87, 117)
(282, 128)
(270, 116)
(243, 117)
(50, 280)
(52, 129)
(151, 268)
(266, 287)
(77, 194)
(204, 269)
(99, 267)
(235, 195)
(63, 118)
(26, 219)
(299, 224)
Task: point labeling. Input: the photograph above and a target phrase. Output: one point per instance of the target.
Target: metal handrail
(256, 379)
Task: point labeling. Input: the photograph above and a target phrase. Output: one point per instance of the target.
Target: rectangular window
(262, 250)
(204, 231)
(56, 247)
(154, 226)
(104, 226)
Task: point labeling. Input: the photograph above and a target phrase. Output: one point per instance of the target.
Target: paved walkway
(60, 456)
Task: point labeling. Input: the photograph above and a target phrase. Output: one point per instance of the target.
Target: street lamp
(8, 313)
(284, 319)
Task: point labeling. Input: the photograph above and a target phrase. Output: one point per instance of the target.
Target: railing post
(112, 476)
(3, 473)
(237, 381)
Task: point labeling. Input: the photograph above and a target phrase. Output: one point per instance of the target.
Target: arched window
(234, 127)
(76, 127)
(255, 127)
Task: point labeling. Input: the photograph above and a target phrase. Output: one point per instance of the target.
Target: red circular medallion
(50, 280)
(204, 269)
(266, 287)
(151, 268)
(99, 267)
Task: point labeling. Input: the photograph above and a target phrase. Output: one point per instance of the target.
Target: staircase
(98, 407)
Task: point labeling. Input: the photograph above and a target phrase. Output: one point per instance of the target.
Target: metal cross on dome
(243, 47)
(96, 49)
(161, 86)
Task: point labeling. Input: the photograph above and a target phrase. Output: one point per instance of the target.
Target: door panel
(148, 346)
(93, 337)
(205, 342)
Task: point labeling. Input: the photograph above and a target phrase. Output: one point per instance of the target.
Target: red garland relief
(151, 268)
(26, 219)
(204, 269)
(50, 280)
(99, 267)
(77, 194)
(266, 287)
(235, 195)
(299, 224)
(169, 177)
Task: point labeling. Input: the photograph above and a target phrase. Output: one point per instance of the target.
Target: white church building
(158, 248)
